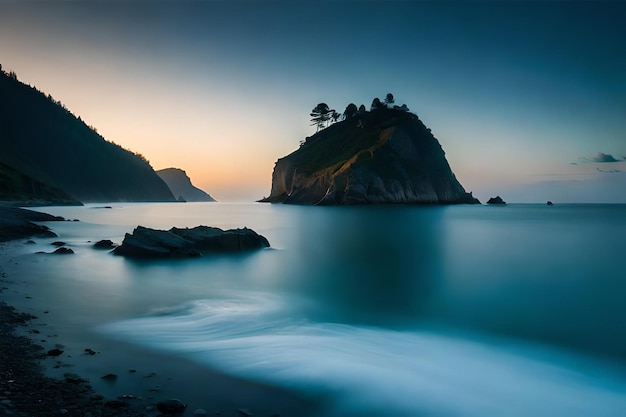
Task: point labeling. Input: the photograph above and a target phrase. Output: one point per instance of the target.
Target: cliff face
(181, 186)
(384, 156)
(42, 140)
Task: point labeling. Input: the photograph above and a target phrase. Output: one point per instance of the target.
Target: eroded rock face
(385, 156)
(186, 243)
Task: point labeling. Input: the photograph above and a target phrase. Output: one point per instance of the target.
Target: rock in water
(104, 244)
(382, 156)
(187, 243)
(63, 251)
(172, 406)
(496, 200)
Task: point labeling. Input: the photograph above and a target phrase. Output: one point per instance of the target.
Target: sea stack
(385, 156)
(497, 200)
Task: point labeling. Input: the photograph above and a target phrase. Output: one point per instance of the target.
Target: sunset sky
(528, 99)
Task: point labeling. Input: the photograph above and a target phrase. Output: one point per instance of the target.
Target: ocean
(516, 310)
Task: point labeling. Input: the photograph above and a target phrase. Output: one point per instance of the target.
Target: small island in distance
(180, 184)
(382, 156)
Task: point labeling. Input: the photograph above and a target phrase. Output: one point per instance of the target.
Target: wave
(379, 372)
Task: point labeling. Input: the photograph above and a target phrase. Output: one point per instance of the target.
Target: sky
(528, 99)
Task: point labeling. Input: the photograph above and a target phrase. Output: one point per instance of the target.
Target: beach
(44, 373)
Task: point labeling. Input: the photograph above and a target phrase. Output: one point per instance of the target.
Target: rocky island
(382, 156)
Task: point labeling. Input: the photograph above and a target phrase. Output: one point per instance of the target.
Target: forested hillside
(42, 139)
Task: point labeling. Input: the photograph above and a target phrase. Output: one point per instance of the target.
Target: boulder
(188, 242)
(104, 244)
(496, 200)
(172, 406)
(63, 251)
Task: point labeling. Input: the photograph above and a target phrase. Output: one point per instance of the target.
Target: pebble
(109, 377)
(200, 412)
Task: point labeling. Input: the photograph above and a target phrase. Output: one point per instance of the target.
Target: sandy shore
(43, 373)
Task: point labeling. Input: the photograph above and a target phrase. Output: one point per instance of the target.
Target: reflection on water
(361, 302)
(362, 269)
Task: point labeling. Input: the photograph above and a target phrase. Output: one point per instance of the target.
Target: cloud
(601, 157)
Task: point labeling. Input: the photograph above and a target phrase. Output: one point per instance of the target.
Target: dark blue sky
(515, 91)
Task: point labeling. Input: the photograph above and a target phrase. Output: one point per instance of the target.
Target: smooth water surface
(382, 310)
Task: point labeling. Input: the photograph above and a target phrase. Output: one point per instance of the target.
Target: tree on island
(350, 111)
(401, 108)
(362, 109)
(389, 100)
(320, 115)
(377, 104)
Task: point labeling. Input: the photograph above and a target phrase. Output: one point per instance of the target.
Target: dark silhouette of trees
(350, 111)
(377, 105)
(320, 115)
(389, 100)
(403, 107)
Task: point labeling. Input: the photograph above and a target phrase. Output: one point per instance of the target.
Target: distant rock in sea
(385, 156)
(550, 203)
(496, 200)
(188, 243)
(181, 186)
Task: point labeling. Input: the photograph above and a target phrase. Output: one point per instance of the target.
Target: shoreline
(34, 383)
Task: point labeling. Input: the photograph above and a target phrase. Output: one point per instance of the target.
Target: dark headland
(49, 155)
(180, 185)
(383, 156)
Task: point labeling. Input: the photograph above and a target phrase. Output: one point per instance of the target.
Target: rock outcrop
(496, 200)
(17, 223)
(379, 157)
(188, 243)
(180, 185)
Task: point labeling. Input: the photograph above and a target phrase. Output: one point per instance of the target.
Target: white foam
(376, 371)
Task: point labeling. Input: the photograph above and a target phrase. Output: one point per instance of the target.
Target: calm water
(404, 311)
